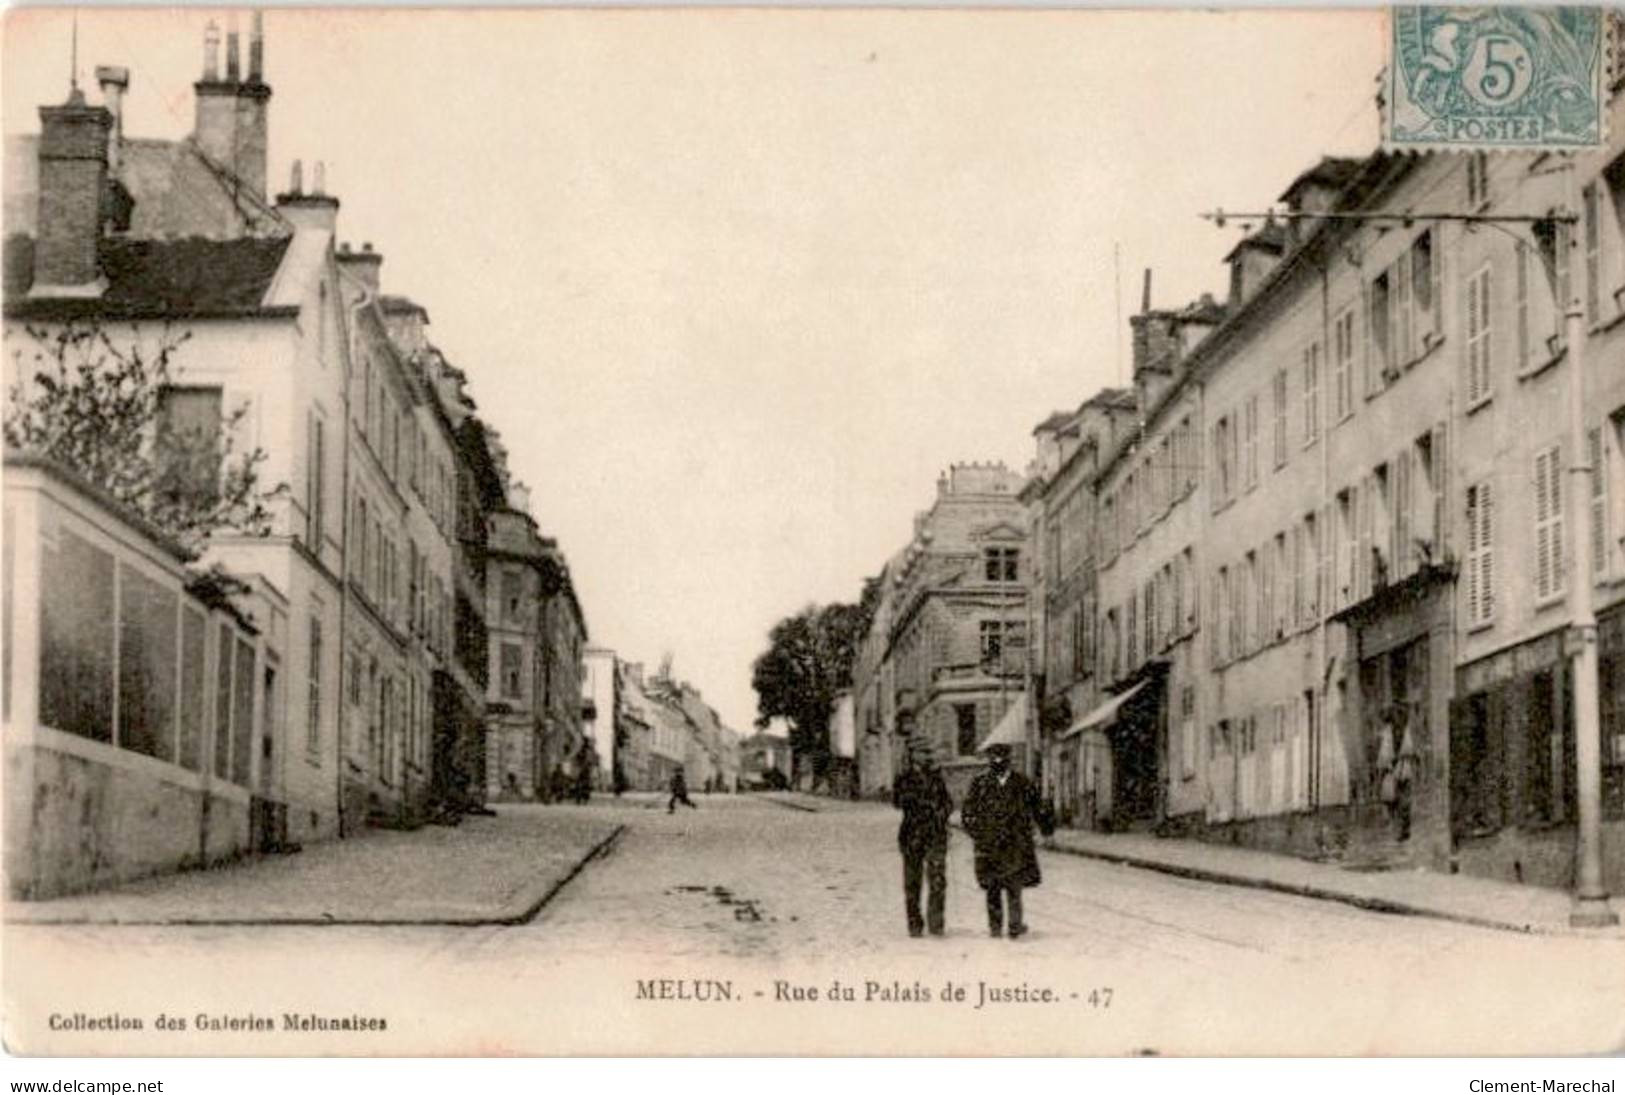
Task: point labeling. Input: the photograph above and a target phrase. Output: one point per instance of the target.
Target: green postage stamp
(1505, 77)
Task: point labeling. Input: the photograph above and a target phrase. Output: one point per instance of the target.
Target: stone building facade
(951, 635)
(1380, 524)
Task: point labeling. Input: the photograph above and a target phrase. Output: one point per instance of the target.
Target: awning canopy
(1012, 728)
(1104, 714)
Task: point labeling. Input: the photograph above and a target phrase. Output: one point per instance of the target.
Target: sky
(734, 286)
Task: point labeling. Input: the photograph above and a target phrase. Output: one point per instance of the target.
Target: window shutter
(1441, 491)
(1486, 552)
(1548, 524)
(1597, 454)
(1474, 600)
(1402, 515)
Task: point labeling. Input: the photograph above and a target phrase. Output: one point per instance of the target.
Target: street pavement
(777, 900)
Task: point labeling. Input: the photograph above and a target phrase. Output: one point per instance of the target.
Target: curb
(1318, 893)
(520, 911)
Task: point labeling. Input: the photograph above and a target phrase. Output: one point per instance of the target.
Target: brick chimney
(316, 209)
(73, 197)
(363, 265)
(253, 108)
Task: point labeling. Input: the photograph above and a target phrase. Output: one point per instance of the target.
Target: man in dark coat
(923, 839)
(999, 813)
(679, 791)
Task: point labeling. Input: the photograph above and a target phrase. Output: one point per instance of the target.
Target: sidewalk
(488, 870)
(1480, 901)
(1465, 899)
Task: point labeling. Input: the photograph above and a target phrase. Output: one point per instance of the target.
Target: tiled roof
(1335, 172)
(158, 279)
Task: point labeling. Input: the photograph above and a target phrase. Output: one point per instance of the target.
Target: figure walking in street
(923, 839)
(679, 791)
(1000, 811)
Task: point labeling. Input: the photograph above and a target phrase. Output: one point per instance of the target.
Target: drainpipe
(1322, 684)
(340, 736)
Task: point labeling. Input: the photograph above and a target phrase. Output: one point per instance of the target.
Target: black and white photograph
(814, 531)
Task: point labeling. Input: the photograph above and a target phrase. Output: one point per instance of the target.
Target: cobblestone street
(771, 897)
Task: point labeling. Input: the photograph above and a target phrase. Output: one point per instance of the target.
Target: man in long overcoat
(1000, 812)
(922, 837)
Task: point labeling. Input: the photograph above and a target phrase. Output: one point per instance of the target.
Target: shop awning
(1012, 728)
(1103, 715)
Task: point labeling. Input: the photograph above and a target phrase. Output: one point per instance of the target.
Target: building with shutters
(1380, 525)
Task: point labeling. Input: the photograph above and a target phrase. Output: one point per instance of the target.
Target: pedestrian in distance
(1001, 810)
(922, 837)
(679, 791)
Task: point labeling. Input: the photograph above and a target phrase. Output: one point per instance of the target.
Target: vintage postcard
(814, 531)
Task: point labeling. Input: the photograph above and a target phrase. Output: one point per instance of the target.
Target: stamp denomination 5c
(1503, 77)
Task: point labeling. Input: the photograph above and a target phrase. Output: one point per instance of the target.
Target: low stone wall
(92, 822)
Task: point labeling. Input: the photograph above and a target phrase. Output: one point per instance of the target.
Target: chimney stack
(233, 65)
(115, 81)
(313, 210)
(231, 123)
(73, 188)
(362, 265)
(211, 52)
(256, 49)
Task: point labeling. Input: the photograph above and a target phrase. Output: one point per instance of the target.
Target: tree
(98, 406)
(806, 666)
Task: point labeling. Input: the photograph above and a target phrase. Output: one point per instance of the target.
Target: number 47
(1100, 998)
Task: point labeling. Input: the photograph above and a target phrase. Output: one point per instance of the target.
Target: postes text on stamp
(1501, 77)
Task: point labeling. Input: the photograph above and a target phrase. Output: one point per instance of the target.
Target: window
(1224, 468)
(313, 699)
(146, 665)
(991, 642)
(1264, 623)
(1311, 393)
(188, 444)
(1480, 555)
(512, 671)
(1400, 514)
(1250, 445)
(1128, 512)
(965, 728)
(315, 485)
(1548, 524)
(1591, 201)
(1002, 564)
(1300, 602)
(1478, 381)
(1422, 297)
(1348, 562)
(1248, 633)
(1280, 388)
(1281, 594)
(1380, 359)
(1187, 732)
(1478, 180)
(76, 638)
(1343, 365)
(513, 584)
